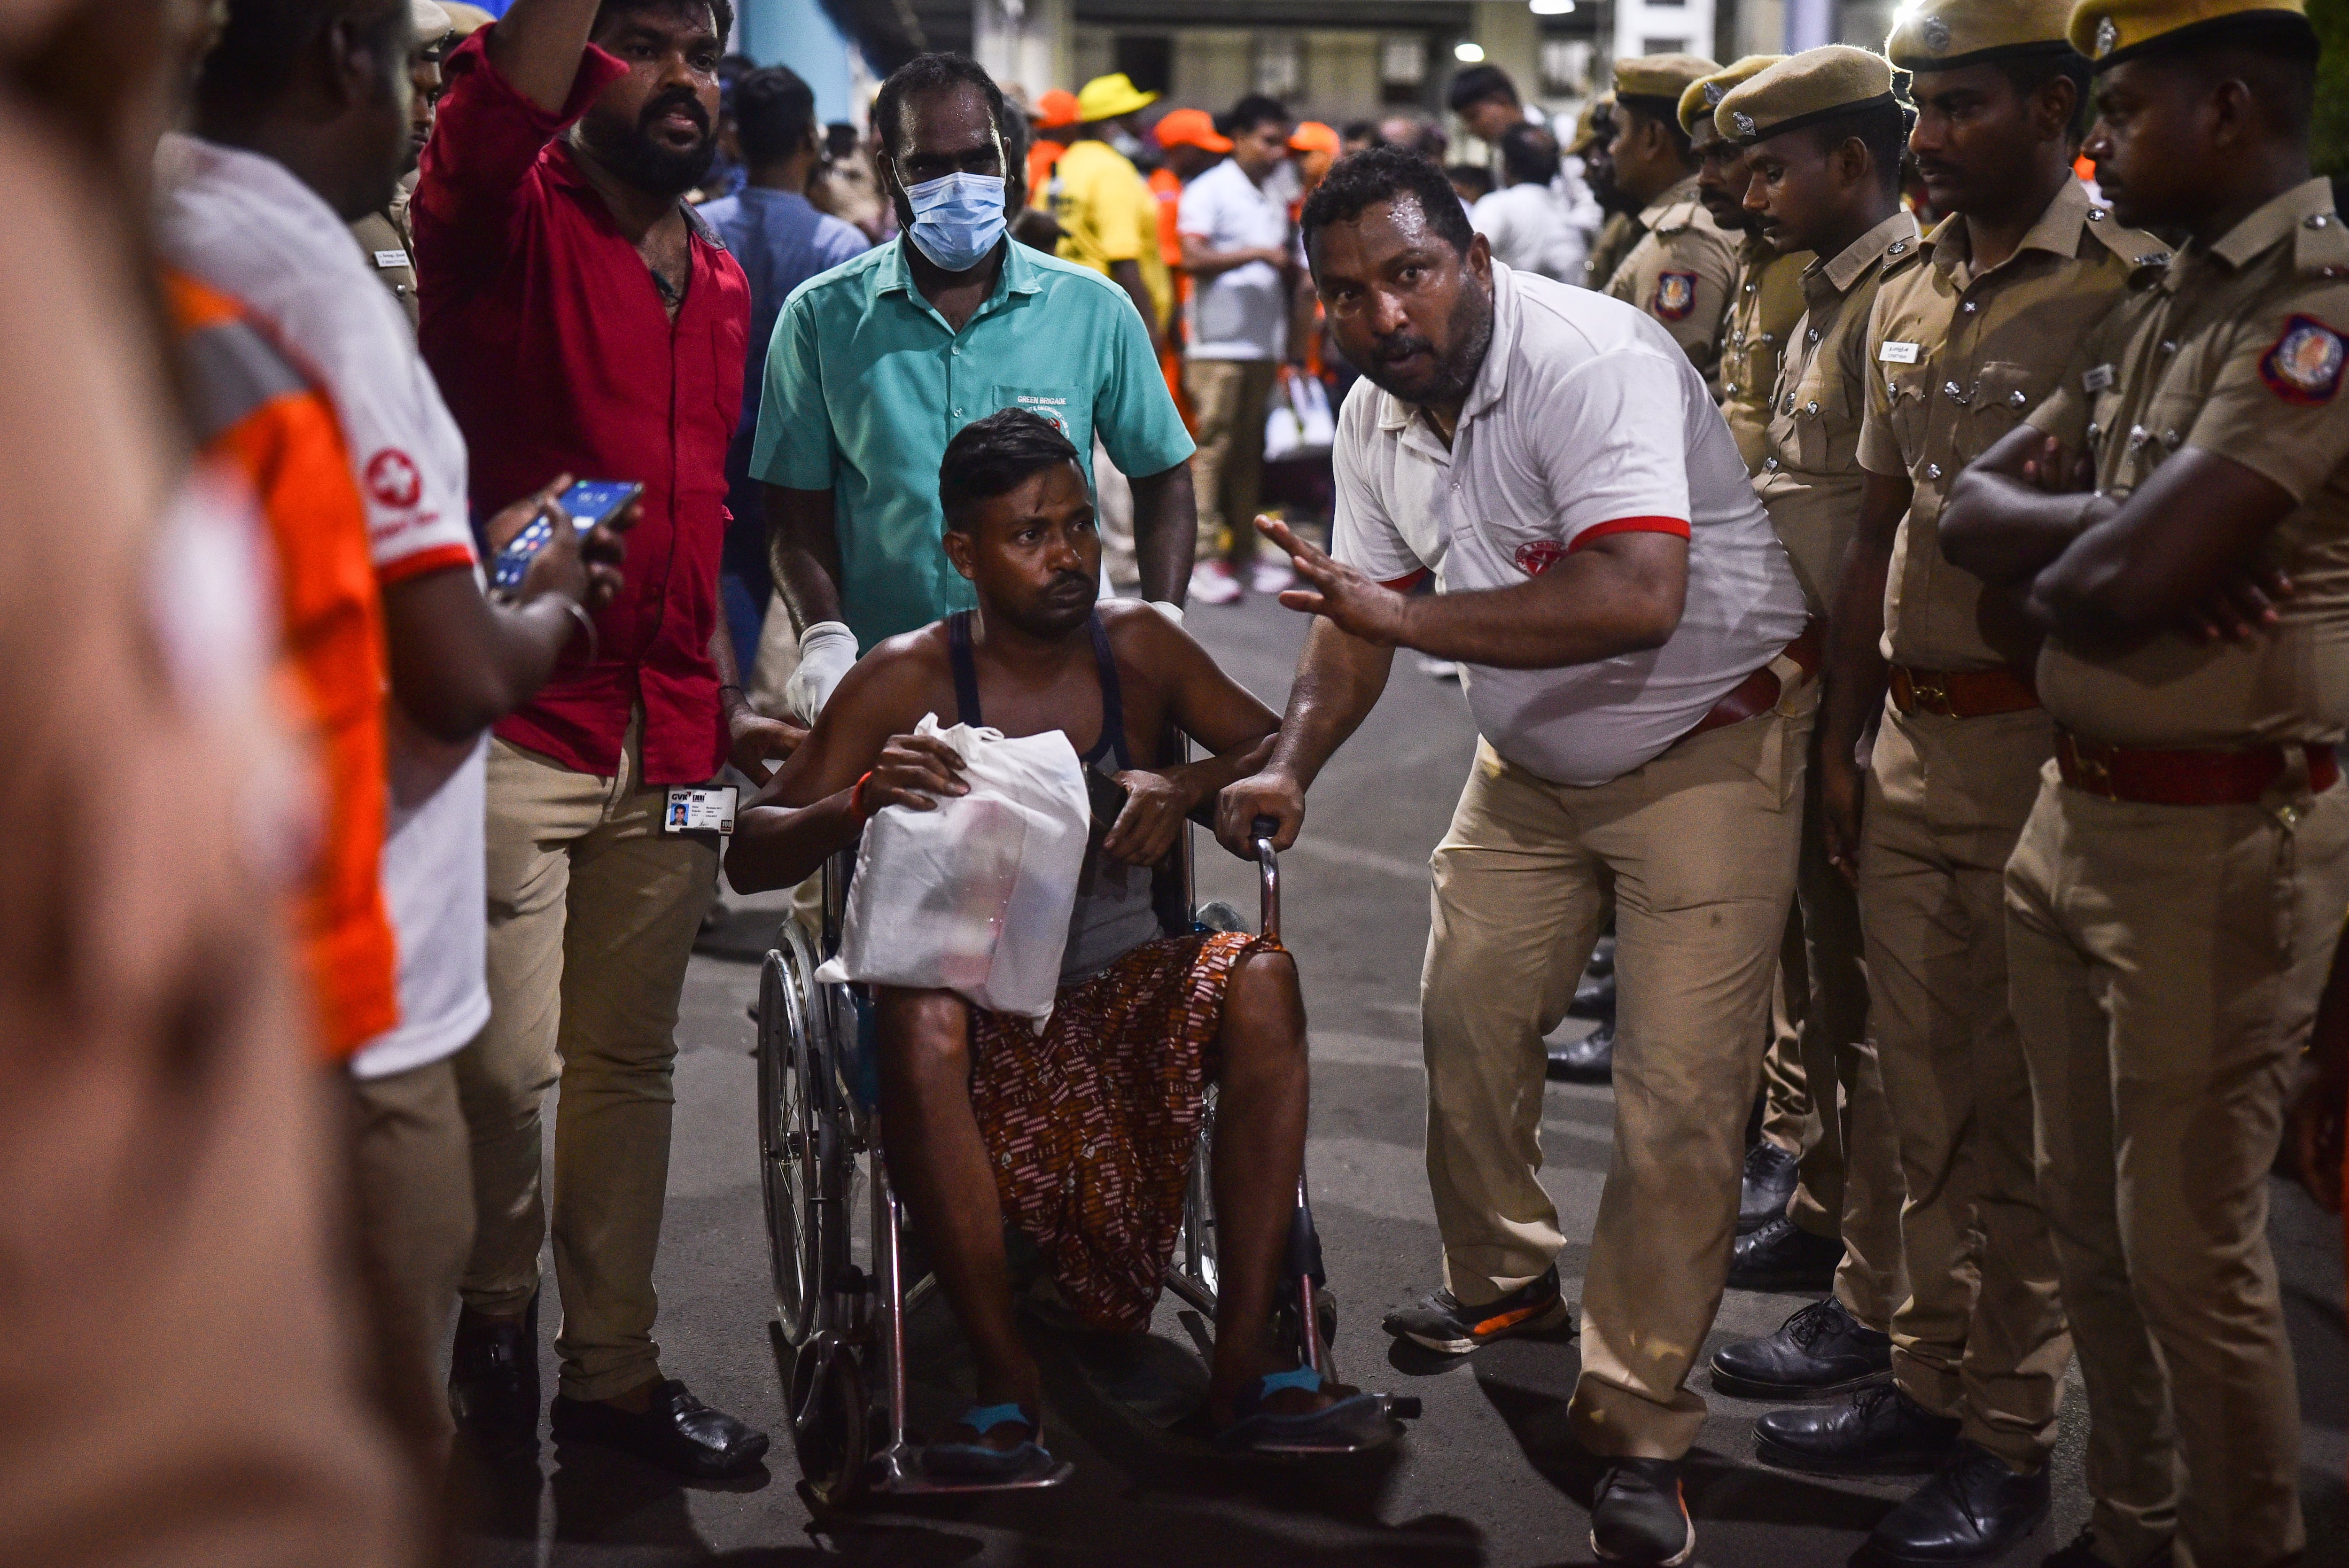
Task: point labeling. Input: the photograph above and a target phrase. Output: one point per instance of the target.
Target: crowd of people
(1888, 510)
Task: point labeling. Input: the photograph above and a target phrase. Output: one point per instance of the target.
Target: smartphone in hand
(589, 503)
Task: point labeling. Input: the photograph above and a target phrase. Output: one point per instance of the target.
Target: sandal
(1354, 1422)
(976, 1460)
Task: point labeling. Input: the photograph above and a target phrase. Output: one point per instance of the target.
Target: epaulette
(2145, 255)
(2320, 248)
(1903, 253)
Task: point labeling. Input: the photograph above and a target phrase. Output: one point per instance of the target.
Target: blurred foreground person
(177, 1384)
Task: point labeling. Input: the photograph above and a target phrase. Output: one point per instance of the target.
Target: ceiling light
(1551, 7)
(1468, 54)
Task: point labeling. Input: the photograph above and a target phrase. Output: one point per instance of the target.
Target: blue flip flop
(977, 1461)
(1349, 1426)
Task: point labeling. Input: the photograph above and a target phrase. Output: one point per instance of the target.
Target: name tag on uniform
(699, 810)
(2098, 379)
(391, 258)
(1899, 353)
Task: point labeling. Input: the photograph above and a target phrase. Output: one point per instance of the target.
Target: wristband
(856, 799)
(578, 613)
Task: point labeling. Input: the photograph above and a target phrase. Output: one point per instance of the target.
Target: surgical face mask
(956, 220)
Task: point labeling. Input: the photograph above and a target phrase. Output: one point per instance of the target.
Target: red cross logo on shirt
(393, 478)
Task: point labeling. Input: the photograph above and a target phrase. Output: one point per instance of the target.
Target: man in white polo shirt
(1633, 643)
(1235, 234)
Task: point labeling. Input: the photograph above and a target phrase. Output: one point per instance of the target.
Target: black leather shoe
(1768, 1187)
(1590, 1059)
(1880, 1430)
(1595, 997)
(1781, 1255)
(494, 1377)
(1821, 1349)
(1973, 1510)
(679, 1433)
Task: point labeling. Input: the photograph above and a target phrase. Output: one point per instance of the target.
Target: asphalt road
(1487, 1476)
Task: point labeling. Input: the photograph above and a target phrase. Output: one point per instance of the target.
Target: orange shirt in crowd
(1042, 153)
(258, 414)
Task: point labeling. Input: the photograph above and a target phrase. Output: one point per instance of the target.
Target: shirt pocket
(1068, 408)
(1826, 425)
(1909, 389)
(2002, 398)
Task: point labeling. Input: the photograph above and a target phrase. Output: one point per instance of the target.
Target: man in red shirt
(581, 319)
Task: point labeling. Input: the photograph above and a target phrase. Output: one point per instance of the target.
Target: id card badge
(699, 810)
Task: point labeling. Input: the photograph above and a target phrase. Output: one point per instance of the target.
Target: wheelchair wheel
(832, 1419)
(794, 1148)
(1195, 1248)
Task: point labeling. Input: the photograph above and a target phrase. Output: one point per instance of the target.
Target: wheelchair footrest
(898, 1473)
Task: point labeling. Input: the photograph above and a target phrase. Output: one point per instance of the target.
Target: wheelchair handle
(1267, 871)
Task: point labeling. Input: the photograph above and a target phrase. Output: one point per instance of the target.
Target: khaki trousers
(1848, 1181)
(593, 913)
(1228, 397)
(1695, 851)
(2165, 963)
(1786, 1100)
(412, 1228)
(1981, 1335)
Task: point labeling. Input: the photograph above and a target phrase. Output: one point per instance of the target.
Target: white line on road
(1360, 859)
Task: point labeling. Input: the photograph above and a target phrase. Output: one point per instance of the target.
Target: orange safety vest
(258, 414)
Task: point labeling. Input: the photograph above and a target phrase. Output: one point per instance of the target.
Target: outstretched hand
(1340, 593)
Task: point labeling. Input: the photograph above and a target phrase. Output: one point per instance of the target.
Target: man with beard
(1631, 637)
(1681, 269)
(383, 235)
(874, 365)
(583, 320)
(2004, 292)
(2175, 892)
(1593, 132)
(1766, 297)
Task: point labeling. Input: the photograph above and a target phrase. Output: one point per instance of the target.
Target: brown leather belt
(2152, 778)
(1759, 692)
(1961, 694)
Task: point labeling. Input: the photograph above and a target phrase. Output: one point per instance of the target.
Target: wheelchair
(818, 1083)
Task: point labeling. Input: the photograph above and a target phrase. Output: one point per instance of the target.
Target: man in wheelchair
(1082, 1138)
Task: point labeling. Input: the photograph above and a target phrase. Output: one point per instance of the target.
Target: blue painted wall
(797, 32)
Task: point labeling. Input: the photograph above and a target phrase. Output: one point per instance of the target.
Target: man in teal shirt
(876, 364)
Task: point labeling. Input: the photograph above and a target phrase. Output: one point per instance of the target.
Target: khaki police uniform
(2165, 959)
(1680, 271)
(384, 239)
(1849, 1181)
(1615, 237)
(1957, 356)
(1765, 301)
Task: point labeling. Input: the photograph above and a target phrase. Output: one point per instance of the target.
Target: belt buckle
(1931, 695)
(2095, 773)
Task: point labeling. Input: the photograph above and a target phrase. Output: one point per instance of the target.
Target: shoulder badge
(2304, 367)
(1935, 34)
(2108, 33)
(1675, 296)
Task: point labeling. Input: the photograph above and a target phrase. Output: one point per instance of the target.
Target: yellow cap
(1951, 35)
(1705, 93)
(2110, 31)
(1804, 90)
(1664, 77)
(1106, 98)
(465, 20)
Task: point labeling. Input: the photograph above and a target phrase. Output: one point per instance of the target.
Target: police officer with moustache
(1765, 301)
(1594, 129)
(1765, 296)
(1961, 345)
(2175, 894)
(1822, 132)
(383, 236)
(1680, 271)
